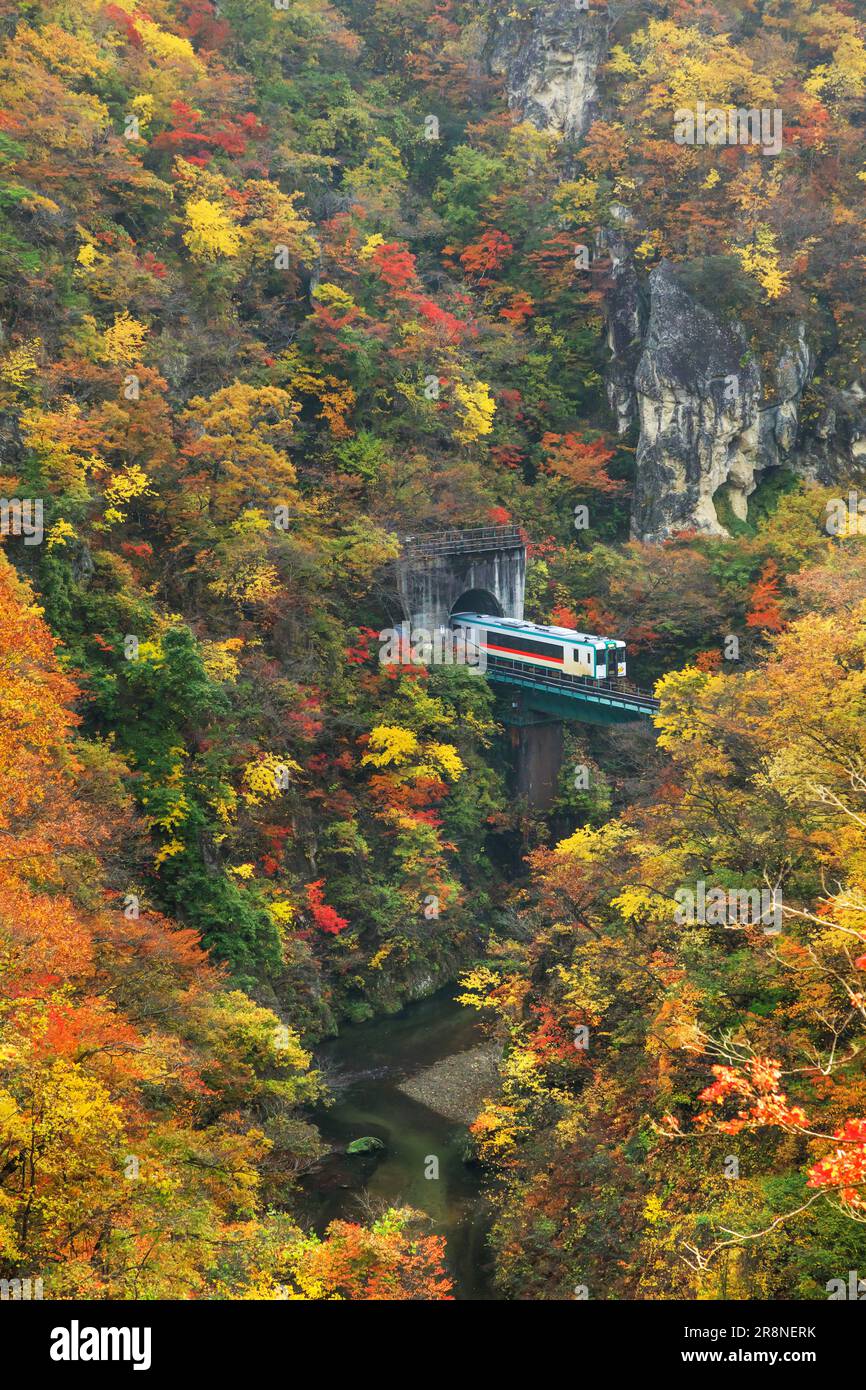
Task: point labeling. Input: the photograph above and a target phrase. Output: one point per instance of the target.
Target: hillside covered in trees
(283, 282)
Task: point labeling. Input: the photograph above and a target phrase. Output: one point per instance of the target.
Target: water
(364, 1067)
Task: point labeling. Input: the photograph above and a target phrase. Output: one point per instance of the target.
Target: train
(559, 651)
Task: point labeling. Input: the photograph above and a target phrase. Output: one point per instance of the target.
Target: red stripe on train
(509, 651)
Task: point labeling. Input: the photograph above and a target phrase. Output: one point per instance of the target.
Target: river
(364, 1067)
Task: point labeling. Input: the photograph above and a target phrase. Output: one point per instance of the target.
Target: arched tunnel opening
(478, 601)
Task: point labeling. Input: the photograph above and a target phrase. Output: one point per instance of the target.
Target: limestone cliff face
(708, 423)
(625, 326)
(834, 450)
(549, 60)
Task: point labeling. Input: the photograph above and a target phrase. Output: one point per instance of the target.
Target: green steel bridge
(537, 698)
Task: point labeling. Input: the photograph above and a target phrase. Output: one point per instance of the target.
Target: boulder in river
(365, 1145)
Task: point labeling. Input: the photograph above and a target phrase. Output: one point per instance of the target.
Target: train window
(510, 642)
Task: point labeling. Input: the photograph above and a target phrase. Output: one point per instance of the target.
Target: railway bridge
(483, 570)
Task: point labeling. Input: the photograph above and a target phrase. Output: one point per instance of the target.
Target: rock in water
(365, 1145)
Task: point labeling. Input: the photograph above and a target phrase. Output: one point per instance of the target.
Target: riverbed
(365, 1068)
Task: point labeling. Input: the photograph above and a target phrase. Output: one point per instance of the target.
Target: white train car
(558, 650)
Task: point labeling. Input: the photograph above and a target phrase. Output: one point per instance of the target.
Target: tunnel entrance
(478, 601)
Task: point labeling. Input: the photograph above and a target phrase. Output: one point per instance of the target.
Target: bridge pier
(537, 743)
(538, 754)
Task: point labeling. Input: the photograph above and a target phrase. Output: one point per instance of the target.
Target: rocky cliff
(710, 422)
(549, 59)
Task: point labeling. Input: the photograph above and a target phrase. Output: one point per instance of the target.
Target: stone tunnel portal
(478, 601)
(482, 569)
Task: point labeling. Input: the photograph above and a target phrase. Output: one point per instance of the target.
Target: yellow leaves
(442, 758)
(641, 905)
(574, 199)
(522, 1068)
(122, 343)
(378, 960)
(378, 182)
(586, 987)
(242, 871)
(166, 851)
(276, 225)
(503, 994)
(59, 533)
(337, 398)
(528, 152)
(219, 659)
(142, 106)
(845, 77)
(240, 435)
(211, 231)
(478, 985)
(225, 806)
(282, 912)
(174, 806)
(622, 63)
(588, 846)
(167, 48)
(649, 246)
(680, 693)
(130, 482)
(654, 1210)
(389, 745)
(76, 56)
(19, 365)
(87, 255)
(761, 260)
(260, 222)
(122, 488)
(255, 582)
(50, 434)
(477, 409)
(267, 777)
(496, 1131)
(252, 521)
(370, 245)
(173, 815)
(334, 297)
(35, 202)
(713, 177)
(679, 65)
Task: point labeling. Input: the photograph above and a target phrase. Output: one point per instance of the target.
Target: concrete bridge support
(538, 753)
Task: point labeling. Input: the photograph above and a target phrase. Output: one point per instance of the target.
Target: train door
(581, 661)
